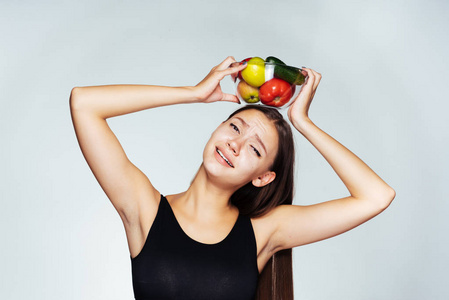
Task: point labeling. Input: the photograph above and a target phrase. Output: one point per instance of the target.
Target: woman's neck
(206, 197)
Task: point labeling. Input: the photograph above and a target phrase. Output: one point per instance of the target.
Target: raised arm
(129, 190)
(369, 194)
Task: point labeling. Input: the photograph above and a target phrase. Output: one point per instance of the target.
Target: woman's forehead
(252, 117)
(257, 121)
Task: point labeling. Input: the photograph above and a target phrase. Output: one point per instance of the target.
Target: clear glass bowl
(268, 82)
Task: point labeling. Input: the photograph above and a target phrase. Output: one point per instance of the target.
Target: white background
(383, 95)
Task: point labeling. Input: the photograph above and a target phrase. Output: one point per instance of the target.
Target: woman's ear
(264, 179)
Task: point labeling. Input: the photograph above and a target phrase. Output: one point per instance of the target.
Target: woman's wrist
(198, 94)
(194, 94)
(302, 124)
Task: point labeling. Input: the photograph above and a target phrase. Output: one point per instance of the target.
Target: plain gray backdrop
(383, 95)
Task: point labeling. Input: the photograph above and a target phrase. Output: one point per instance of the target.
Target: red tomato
(275, 92)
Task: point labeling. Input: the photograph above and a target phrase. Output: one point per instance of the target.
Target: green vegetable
(274, 60)
(290, 74)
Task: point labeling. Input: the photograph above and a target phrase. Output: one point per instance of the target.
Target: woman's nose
(234, 146)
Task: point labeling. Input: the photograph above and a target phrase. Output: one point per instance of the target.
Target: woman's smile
(222, 158)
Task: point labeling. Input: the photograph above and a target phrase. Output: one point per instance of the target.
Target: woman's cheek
(251, 163)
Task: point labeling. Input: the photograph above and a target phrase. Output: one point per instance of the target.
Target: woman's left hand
(299, 110)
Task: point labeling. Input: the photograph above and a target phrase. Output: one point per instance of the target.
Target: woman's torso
(172, 265)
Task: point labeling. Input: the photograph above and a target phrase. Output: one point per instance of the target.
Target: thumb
(230, 98)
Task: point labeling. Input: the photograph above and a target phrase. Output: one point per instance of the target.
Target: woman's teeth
(222, 156)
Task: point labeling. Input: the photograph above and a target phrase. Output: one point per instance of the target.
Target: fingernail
(244, 63)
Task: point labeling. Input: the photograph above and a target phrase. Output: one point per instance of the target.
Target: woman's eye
(257, 152)
(235, 128)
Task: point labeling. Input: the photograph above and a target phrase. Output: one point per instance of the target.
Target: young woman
(213, 240)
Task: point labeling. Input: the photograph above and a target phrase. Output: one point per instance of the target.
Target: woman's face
(242, 149)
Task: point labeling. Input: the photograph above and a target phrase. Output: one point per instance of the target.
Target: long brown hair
(276, 279)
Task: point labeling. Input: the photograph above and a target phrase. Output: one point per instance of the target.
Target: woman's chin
(222, 175)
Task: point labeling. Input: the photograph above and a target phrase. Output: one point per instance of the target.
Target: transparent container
(268, 82)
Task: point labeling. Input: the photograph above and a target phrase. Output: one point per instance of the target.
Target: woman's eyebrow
(257, 136)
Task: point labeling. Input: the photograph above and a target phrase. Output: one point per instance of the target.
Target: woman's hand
(299, 110)
(209, 89)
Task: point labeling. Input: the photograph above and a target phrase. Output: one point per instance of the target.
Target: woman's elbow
(75, 98)
(387, 198)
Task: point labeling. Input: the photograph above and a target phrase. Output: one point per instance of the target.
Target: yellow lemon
(254, 73)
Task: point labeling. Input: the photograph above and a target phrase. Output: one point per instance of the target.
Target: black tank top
(171, 265)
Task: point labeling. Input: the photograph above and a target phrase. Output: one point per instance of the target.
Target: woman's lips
(222, 158)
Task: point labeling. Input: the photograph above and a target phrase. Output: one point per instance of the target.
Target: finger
(310, 79)
(220, 74)
(226, 63)
(303, 71)
(316, 82)
(234, 64)
(234, 68)
(234, 77)
(230, 98)
(317, 79)
(315, 73)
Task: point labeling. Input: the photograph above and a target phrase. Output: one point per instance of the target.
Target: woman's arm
(369, 194)
(128, 189)
(114, 100)
(126, 186)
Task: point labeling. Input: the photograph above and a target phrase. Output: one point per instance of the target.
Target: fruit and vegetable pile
(269, 81)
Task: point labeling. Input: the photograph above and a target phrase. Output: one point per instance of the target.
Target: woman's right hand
(209, 89)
